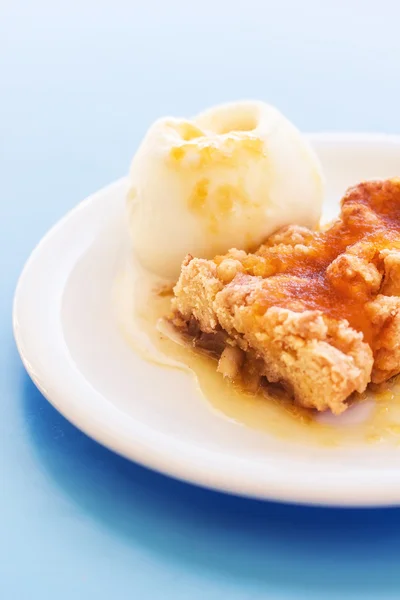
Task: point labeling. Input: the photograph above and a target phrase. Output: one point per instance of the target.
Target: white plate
(71, 347)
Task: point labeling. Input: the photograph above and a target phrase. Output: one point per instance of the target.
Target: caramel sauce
(374, 417)
(208, 151)
(296, 277)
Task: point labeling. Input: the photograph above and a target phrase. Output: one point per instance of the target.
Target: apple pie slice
(317, 312)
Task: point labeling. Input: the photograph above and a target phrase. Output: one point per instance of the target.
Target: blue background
(80, 81)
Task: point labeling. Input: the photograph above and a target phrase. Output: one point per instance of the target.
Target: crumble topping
(317, 312)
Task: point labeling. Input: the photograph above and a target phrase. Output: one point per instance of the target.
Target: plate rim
(256, 479)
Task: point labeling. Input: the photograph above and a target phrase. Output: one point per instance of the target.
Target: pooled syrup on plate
(140, 309)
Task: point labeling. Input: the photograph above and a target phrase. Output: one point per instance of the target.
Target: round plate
(70, 345)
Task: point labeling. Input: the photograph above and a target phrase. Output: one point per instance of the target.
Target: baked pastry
(317, 312)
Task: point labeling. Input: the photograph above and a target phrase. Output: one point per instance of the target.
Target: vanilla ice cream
(227, 178)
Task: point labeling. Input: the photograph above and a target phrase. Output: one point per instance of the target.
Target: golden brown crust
(391, 268)
(195, 292)
(320, 360)
(319, 312)
(384, 312)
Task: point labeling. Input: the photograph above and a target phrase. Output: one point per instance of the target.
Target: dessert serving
(228, 314)
(224, 210)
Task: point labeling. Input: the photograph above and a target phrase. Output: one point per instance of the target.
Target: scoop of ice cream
(227, 178)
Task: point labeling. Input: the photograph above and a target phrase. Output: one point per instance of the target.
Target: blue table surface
(80, 82)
